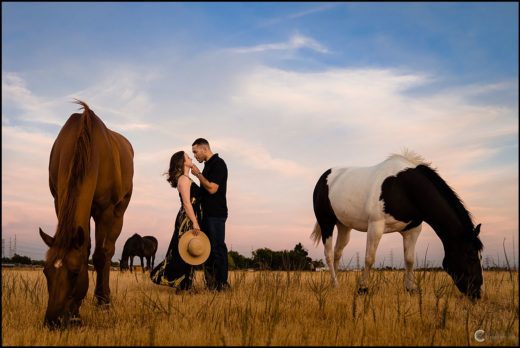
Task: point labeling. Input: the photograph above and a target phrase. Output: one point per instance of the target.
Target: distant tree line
(21, 260)
(25, 260)
(262, 259)
(267, 259)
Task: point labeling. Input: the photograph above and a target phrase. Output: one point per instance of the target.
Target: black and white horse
(397, 195)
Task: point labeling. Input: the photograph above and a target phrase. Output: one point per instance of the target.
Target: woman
(173, 271)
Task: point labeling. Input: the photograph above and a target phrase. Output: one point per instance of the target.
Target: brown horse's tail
(83, 146)
(77, 172)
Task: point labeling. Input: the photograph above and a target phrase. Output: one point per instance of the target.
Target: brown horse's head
(66, 271)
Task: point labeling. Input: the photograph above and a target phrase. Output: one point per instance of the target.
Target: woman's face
(187, 160)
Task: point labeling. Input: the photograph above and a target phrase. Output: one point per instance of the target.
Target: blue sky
(283, 91)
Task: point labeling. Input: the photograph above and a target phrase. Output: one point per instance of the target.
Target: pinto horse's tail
(316, 234)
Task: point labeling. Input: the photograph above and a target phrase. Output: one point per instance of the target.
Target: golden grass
(269, 308)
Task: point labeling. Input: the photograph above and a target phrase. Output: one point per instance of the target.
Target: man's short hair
(200, 141)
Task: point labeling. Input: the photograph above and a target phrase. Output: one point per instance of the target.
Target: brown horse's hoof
(102, 302)
(75, 321)
(104, 306)
(362, 291)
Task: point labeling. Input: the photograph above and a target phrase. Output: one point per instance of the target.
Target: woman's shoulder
(184, 180)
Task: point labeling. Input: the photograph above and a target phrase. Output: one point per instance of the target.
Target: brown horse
(90, 175)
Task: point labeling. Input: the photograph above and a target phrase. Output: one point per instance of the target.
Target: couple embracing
(204, 209)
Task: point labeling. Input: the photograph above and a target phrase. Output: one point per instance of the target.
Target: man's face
(199, 151)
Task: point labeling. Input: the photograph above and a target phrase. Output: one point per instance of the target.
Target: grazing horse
(90, 175)
(139, 246)
(397, 195)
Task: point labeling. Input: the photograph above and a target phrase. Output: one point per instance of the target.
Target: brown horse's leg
(108, 228)
(100, 261)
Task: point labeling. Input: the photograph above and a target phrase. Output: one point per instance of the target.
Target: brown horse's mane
(66, 229)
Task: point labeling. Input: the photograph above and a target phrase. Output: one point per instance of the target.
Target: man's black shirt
(215, 205)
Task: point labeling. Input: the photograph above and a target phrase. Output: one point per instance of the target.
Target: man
(213, 181)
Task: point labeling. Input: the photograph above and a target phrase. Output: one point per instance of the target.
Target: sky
(283, 92)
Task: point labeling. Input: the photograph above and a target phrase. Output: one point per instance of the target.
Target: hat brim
(183, 248)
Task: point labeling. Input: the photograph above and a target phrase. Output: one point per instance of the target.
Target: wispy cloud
(296, 41)
(16, 94)
(278, 130)
(260, 158)
(299, 14)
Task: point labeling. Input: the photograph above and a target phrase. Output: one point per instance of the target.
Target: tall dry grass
(270, 308)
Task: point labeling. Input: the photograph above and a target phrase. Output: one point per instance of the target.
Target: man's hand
(195, 170)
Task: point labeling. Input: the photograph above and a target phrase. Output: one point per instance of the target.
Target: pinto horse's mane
(411, 156)
(447, 192)
(78, 168)
(456, 203)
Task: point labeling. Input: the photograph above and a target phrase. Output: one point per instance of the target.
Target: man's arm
(211, 187)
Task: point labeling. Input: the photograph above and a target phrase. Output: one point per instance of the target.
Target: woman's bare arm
(183, 185)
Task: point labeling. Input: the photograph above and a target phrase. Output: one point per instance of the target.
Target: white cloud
(33, 108)
(13, 88)
(278, 130)
(259, 158)
(299, 14)
(21, 141)
(296, 42)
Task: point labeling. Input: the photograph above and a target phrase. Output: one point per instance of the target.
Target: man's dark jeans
(216, 267)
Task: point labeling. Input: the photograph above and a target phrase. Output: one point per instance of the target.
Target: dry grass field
(270, 308)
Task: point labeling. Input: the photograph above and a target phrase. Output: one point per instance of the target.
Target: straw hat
(194, 250)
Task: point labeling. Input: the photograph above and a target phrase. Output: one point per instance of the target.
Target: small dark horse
(90, 175)
(139, 246)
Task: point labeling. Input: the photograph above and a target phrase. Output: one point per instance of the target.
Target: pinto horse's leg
(341, 241)
(329, 258)
(374, 233)
(409, 239)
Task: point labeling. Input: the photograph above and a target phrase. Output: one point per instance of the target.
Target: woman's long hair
(176, 168)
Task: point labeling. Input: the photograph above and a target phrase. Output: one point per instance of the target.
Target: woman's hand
(196, 229)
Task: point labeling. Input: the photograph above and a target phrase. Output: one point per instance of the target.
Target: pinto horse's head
(66, 271)
(463, 264)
